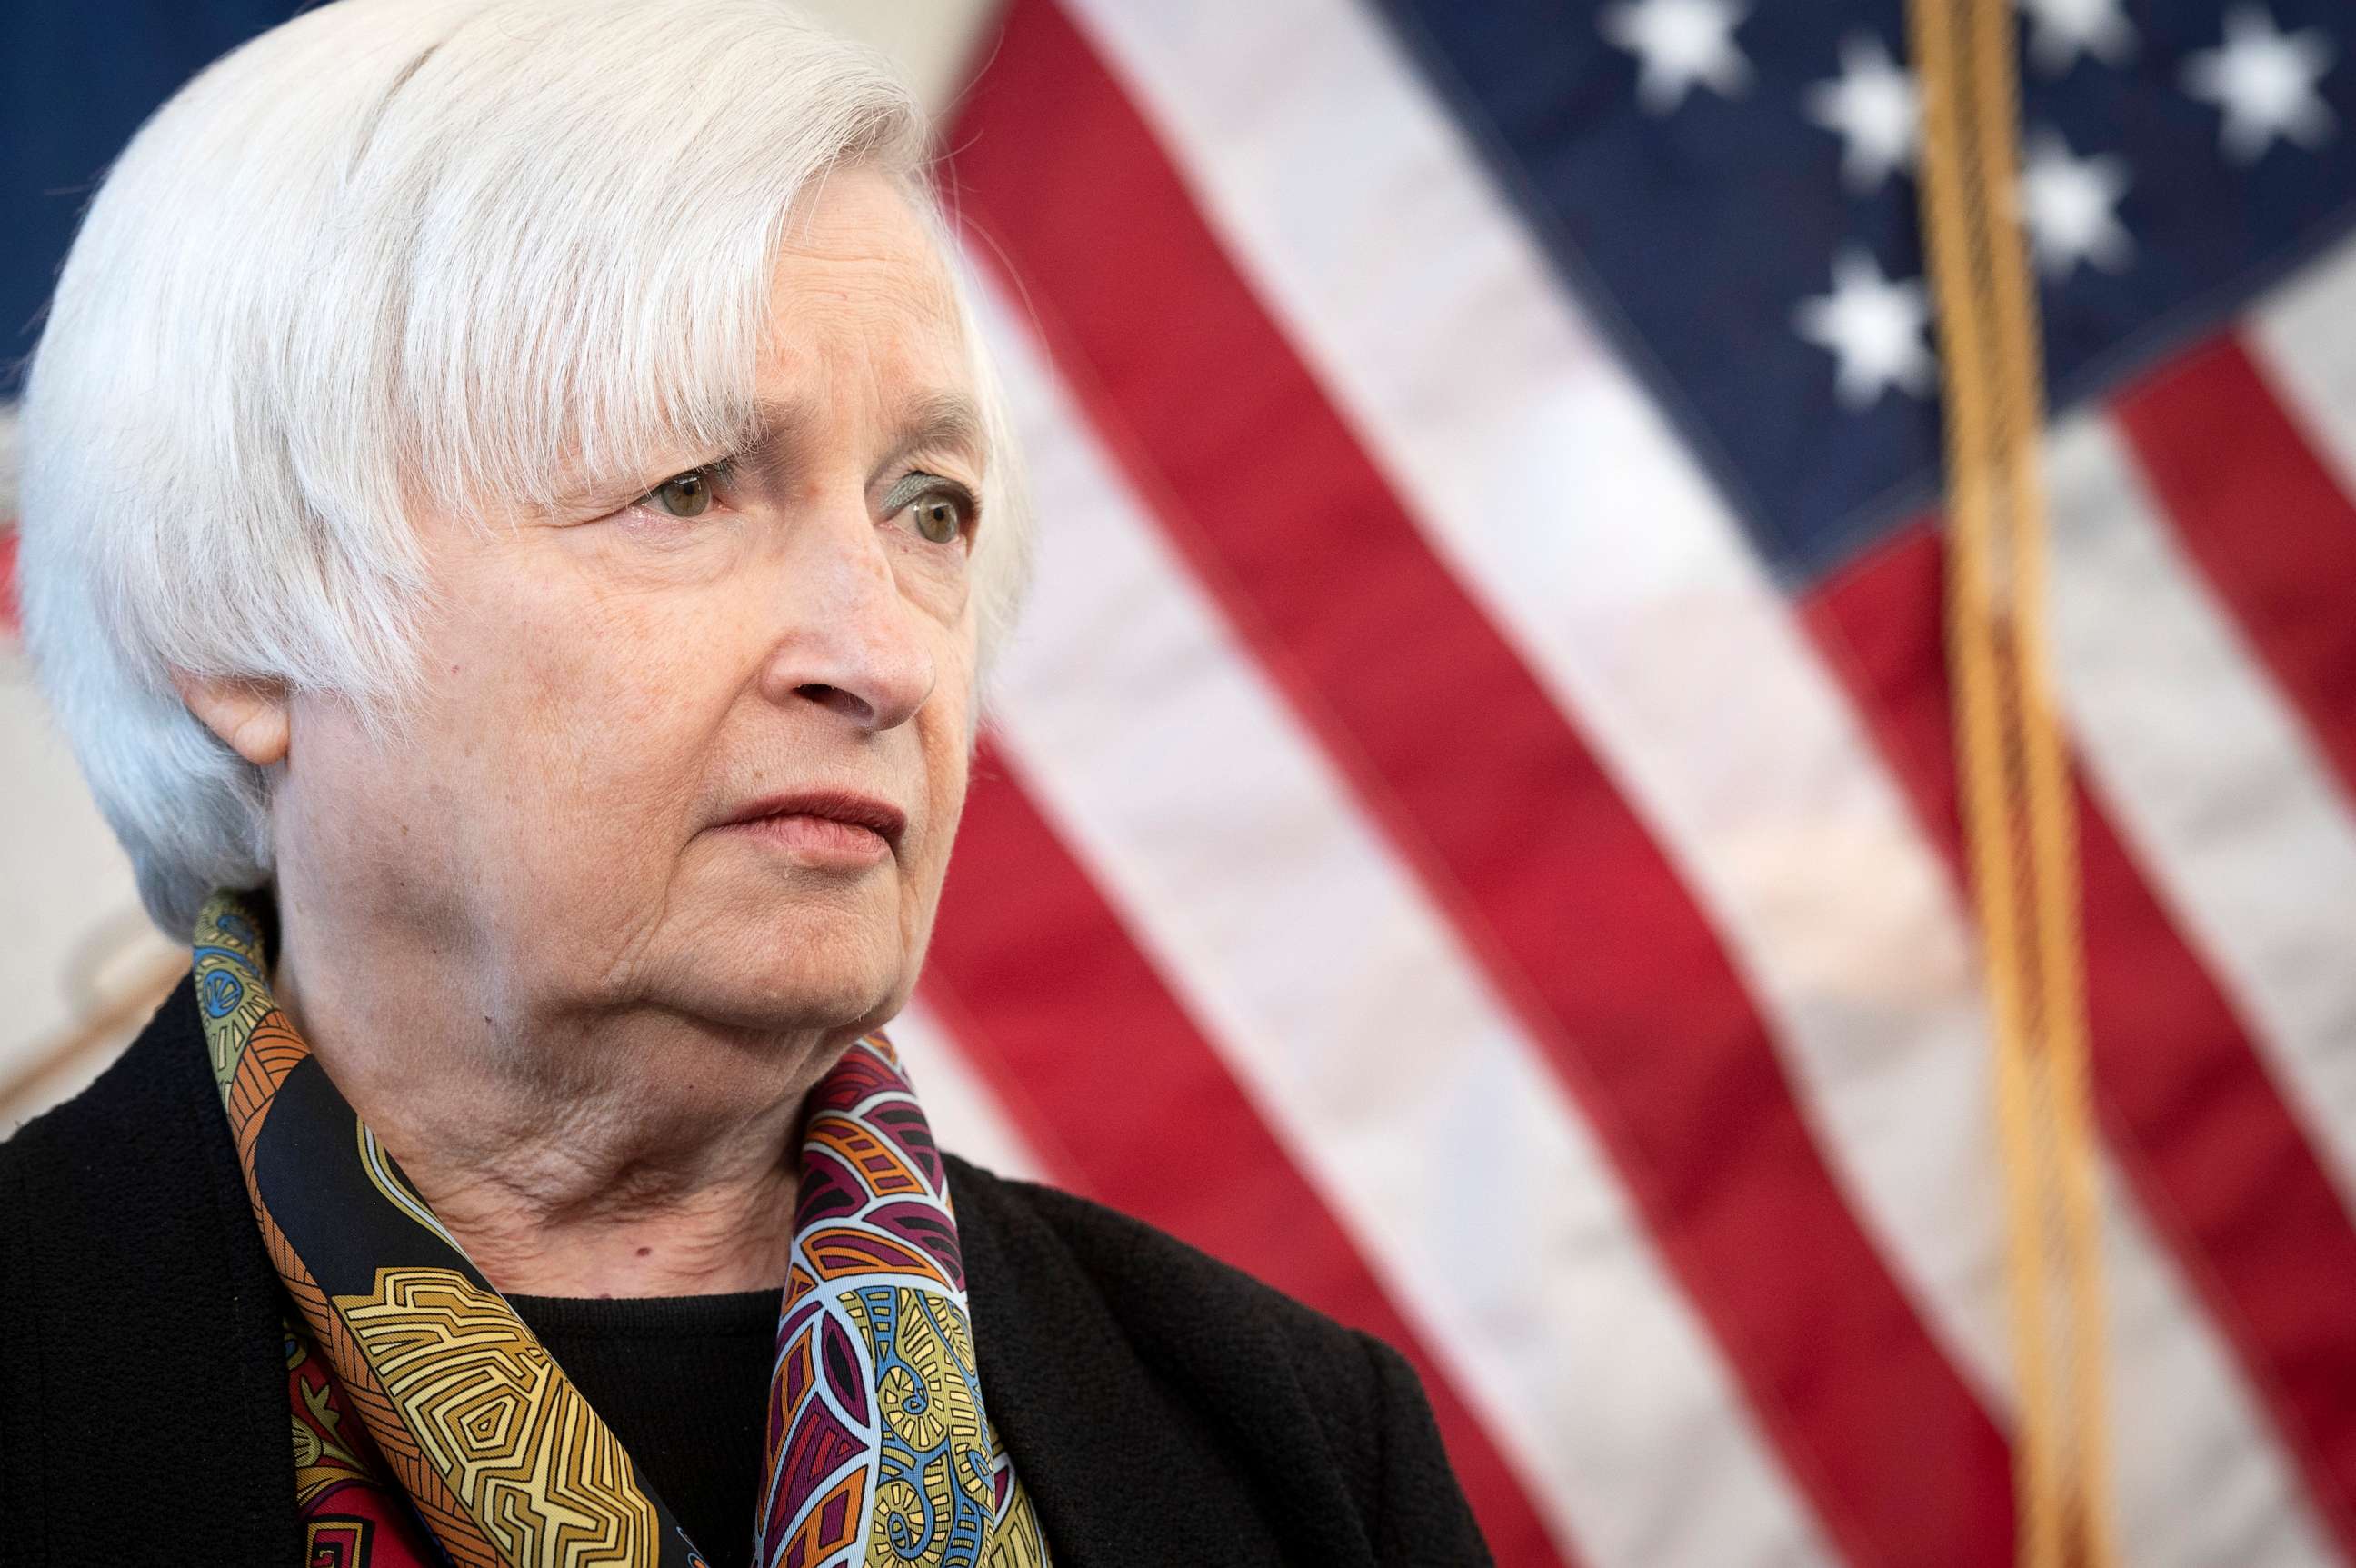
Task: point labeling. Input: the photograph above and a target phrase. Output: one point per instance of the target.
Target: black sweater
(683, 1380)
(1162, 1407)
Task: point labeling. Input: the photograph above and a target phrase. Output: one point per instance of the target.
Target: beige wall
(82, 965)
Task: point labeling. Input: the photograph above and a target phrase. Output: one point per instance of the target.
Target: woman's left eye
(941, 516)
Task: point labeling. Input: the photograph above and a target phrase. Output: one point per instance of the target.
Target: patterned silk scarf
(431, 1427)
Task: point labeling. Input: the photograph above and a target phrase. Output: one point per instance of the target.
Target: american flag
(1468, 831)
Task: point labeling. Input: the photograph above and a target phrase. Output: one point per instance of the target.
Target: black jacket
(1163, 1407)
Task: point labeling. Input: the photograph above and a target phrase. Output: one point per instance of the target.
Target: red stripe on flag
(1480, 785)
(2260, 512)
(8, 614)
(1055, 1006)
(2192, 1113)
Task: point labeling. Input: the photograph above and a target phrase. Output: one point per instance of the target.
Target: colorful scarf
(431, 1427)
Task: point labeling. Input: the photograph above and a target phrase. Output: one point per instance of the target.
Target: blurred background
(1470, 832)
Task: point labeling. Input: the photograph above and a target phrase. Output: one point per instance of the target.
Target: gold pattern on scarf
(546, 1480)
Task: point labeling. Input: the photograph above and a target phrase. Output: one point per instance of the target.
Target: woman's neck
(635, 1155)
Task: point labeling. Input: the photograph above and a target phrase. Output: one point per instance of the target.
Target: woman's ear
(250, 717)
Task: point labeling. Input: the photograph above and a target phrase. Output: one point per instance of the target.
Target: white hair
(461, 254)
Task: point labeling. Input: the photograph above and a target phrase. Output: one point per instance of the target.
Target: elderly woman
(516, 517)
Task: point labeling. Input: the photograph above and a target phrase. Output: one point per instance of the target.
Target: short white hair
(392, 254)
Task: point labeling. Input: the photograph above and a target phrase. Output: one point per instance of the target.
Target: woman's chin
(796, 975)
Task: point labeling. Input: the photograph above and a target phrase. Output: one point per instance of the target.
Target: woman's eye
(939, 517)
(682, 495)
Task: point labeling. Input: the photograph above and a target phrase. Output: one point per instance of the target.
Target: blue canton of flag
(1731, 186)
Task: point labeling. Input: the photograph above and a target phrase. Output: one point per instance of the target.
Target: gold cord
(2018, 801)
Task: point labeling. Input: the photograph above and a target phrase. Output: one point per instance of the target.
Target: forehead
(860, 286)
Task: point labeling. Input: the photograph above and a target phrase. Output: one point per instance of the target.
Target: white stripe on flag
(965, 1116)
(1544, 475)
(2306, 334)
(1343, 1005)
(2233, 813)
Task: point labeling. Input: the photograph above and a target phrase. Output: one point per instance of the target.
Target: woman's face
(615, 700)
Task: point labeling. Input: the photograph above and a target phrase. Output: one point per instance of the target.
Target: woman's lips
(818, 840)
(823, 828)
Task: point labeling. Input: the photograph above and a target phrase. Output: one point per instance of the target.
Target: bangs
(561, 326)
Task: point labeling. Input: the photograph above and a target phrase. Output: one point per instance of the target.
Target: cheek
(949, 783)
(581, 707)
(947, 740)
(953, 711)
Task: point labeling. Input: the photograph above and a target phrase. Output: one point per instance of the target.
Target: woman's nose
(852, 643)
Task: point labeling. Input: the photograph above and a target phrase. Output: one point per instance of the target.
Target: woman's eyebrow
(943, 420)
(947, 421)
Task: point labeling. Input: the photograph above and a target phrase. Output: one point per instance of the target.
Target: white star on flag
(1873, 327)
(2067, 202)
(2061, 30)
(1873, 107)
(1679, 44)
(2264, 81)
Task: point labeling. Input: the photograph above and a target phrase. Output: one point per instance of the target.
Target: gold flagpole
(2019, 804)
